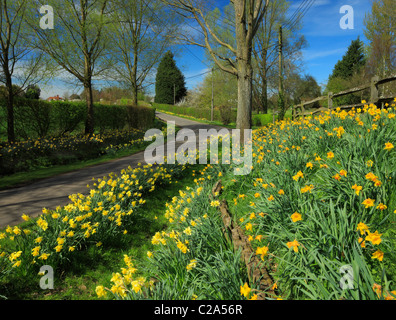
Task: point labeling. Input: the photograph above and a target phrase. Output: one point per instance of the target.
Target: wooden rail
(256, 271)
(299, 110)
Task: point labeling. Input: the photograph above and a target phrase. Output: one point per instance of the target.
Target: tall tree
(351, 62)
(140, 37)
(19, 63)
(170, 85)
(224, 87)
(248, 16)
(33, 92)
(77, 43)
(380, 30)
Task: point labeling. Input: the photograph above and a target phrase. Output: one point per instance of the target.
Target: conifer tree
(348, 73)
(170, 86)
(351, 62)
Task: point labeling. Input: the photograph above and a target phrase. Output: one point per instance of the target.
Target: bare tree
(380, 26)
(248, 16)
(77, 43)
(140, 37)
(20, 64)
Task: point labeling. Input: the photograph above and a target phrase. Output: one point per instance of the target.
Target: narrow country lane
(52, 192)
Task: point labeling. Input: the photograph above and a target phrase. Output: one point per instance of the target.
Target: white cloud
(312, 55)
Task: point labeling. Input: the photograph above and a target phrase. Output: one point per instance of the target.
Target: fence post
(302, 110)
(374, 90)
(330, 100)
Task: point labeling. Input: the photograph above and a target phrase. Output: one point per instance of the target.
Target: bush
(66, 117)
(140, 117)
(110, 117)
(41, 153)
(39, 119)
(32, 118)
(257, 122)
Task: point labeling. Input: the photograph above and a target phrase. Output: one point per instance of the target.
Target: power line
(306, 11)
(199, 75)
(299, 14)
(194, 55)
(294, 15)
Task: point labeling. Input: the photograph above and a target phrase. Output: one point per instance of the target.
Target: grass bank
(258, 120)
(319, 200)
(79, 274)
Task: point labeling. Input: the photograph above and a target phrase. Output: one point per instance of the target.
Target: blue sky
(327, 42)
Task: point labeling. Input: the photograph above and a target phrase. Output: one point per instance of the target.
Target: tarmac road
(52, 192)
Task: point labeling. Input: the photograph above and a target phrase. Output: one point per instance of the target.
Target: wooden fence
(299, 110)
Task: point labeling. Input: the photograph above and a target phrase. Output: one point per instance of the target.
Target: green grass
(216, 123)
(259, 120)
(94, 266)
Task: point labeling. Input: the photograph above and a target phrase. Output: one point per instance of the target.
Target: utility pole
(212, 111)
(281, 101)
(174, 94)
(280, 59)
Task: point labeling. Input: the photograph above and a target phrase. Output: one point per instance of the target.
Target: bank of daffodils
(101, 216)
(318, 208)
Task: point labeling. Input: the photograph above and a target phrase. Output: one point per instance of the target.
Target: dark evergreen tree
(348, 73)
(170, 83)
(351, 62)
(33, 92)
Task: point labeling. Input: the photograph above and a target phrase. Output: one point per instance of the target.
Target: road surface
(52, 192)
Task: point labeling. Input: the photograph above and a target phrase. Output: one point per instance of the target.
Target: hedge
(39, 119)
(199, 113)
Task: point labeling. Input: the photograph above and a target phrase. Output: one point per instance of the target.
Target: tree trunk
(134, 95)
(264, 93)
(244, 115)
(134, 86)
(133, 79)
(245, 71)
(89, 123)
(264, 82)
(10, 117)
(10, 108)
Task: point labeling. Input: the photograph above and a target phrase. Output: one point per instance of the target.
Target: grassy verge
(259, 120)
(204, 121)
(191, 258)
(320, 200)
(79, 276)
